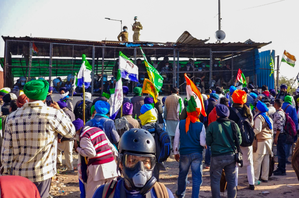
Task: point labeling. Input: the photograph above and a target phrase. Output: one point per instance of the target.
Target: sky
(162, 20)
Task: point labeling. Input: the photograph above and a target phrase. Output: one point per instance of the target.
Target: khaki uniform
(124, 36)
(136, 28)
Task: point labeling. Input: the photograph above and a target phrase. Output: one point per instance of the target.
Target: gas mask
(137, 170)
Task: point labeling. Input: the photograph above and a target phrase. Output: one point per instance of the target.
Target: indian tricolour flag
(116, 99)
(288, 58)
(84, 73)
(196, 106)
(192, 90)
(127, 68)
(241, 78)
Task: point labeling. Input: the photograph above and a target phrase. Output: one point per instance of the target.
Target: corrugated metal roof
(187, 39)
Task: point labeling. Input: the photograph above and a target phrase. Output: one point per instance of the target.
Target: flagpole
(83, 87)
(83, 102)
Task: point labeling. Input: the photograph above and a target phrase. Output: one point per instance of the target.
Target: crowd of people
(123, 157)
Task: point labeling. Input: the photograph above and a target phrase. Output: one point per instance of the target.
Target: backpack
(162, 141)
(99, 124)
(246, 129)
(109, 190)
(289, 128)
(121, 125)
(79, 110)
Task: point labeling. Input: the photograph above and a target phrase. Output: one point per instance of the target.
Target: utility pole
(219, 16)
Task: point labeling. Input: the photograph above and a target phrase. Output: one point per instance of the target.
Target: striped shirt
(102, 152)
(30, 140)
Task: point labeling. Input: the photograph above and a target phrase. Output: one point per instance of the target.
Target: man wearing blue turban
(264, 137)
(101, 120)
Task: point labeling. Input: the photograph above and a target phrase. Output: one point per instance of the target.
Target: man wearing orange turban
(239, 107)
(239, 97)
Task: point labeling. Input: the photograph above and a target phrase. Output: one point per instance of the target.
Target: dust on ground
(67, 185)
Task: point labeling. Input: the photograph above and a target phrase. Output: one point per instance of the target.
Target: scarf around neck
(267, 119)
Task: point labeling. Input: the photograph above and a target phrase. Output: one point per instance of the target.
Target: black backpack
(78, 111)
(246, 129)
(162, 141)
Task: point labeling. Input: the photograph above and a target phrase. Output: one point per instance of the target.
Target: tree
(291, 83)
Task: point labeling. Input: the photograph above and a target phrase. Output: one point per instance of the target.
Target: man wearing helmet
(137, 160)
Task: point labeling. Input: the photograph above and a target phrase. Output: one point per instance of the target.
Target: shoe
(251, 187)
(265, 181)
(277, 170)
(207, 167)
(280, 173)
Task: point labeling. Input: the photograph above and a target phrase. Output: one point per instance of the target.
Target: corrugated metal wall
(263, 70)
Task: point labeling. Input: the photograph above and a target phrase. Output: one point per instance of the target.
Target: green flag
(153, 74)
(272, 65)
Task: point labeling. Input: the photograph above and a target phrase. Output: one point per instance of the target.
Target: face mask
(22, 83)
(125, 30)
(64, 95)
(166, 65)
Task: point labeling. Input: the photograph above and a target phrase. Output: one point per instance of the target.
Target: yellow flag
(149, 88)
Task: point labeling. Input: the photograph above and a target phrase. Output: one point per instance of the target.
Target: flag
(34, 49)
(194, 97)
(127, 68)
(288, 58)
(149, 88)
(241, 78)
(272, 65)
(153, 74)
(116, 99)
(84, 74)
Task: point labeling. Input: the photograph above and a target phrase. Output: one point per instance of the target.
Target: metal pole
(103, 56)
(50, 63)
(83, 87)
(232, 67)
(211, 67)
(121, 25)
(219, 17)
(277, 74)
(30, 59)
(174, 70)
(5, 77)
(133, 84)
(178, 69)
(92, 73)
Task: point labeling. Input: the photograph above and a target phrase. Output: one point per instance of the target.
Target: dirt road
(66, 185)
